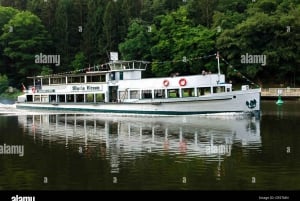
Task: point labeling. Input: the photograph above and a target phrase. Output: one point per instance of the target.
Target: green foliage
(111, 26)
(179, 29)
(3, 83)
(270, 29)
(46, 70)
(176, 39)
(201, 11)
(137, 43)
(92, 33)
(27, 38)
(79, 61)
(6, 13)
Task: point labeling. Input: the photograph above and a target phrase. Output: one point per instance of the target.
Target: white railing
(280, 91)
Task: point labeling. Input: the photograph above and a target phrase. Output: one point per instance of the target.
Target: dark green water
(101, 152)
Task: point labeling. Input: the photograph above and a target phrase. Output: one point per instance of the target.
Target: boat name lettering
(83, 88)
(92, 88)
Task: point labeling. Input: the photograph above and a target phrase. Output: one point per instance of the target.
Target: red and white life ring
(33, 89)
(182, 82)
(166, 83)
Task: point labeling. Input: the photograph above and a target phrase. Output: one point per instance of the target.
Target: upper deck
(114, 70)
(128, 65)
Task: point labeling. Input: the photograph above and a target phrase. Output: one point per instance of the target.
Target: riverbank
(9, 98)
(286, 93)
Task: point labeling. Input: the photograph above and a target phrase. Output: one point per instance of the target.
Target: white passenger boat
(118, 87)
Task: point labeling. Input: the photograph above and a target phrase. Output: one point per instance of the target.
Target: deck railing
(288, 92)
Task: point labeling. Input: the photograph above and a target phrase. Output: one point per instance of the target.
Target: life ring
(182, 82)
(33, 89)
(166, 83)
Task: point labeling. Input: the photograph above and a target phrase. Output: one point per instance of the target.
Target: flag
(23, 87)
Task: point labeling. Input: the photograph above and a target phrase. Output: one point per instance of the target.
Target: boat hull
(247, 101)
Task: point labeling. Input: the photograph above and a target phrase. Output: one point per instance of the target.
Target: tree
(45, 10)
(111, 25)
(201, 11)
(265, 32)
(3, 83)
(137, 44)
(92, 31)
(6, 13)
(177, 40)
(27, 39)
(68, 30)
(21, 5)
(79, 61)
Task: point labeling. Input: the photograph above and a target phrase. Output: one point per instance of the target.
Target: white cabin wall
(157, 83)
(132, 75)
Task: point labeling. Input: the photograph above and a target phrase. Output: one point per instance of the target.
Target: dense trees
(23, 37)
(173, 34)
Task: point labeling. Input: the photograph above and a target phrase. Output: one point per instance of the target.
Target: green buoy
(279, 101)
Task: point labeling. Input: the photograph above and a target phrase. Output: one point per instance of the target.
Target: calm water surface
(76, 151)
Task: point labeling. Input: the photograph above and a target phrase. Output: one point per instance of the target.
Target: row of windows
(168, 93)
(75, 79)
(69, 98)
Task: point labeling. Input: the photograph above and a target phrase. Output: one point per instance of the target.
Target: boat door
(113, 93)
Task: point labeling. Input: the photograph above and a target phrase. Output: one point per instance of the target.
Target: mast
(219, 72)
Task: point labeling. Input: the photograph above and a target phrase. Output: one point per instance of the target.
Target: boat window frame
(183, 92)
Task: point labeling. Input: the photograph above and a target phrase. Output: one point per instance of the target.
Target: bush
(3, 83)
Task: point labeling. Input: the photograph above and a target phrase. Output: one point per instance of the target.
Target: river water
(77, 151)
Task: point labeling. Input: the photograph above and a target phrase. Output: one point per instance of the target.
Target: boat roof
(112, 66)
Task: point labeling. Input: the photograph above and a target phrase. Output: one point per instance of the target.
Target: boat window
(96, 78)
(203, 91)
(159, 93)
(112, 75)
(77, 79)
(45, 98)
(45, 81)
(70, 97)
(134, 94)
(37, 98)
(100, 97)
(80, 98)
(173, 93)
(123, 95)
(57, 80)
(89, 98)
(121, 75)
(61, 98)
(146, 94)
(29, 98)
(189, 92)
(219, 89)
(52, 98)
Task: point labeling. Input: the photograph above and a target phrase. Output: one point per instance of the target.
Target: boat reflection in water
(125, 138)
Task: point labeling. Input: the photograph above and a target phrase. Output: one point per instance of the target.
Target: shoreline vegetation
(259, 38)
(11, 95)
